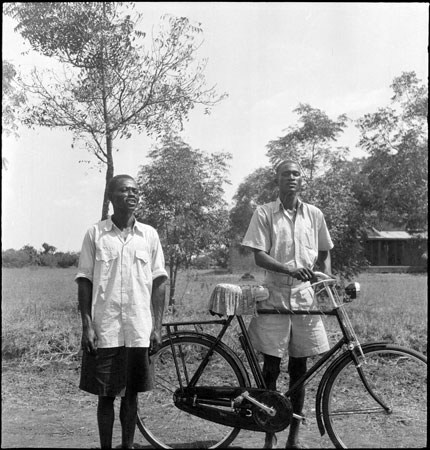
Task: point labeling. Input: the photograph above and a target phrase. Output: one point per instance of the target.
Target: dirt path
(45, 409)
(72, 426)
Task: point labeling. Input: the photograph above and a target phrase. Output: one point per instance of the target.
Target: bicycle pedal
(299, 417)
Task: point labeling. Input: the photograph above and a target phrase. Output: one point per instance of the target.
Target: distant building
(389, 251)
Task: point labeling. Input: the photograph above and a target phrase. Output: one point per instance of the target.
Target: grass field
(41, 323)
(41, 333)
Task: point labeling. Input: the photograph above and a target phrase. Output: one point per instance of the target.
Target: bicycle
(370, 395)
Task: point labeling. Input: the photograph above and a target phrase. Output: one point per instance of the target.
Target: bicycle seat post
(251, 356)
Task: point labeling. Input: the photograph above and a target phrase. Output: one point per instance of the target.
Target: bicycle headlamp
(352, 290)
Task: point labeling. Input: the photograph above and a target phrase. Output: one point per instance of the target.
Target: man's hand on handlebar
(303, 274)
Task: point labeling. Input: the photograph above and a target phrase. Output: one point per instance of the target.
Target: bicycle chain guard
(224, 405)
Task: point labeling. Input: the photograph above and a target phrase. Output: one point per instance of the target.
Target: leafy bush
(48, 260)
(66, 259)
(202, 262)
(15, 258)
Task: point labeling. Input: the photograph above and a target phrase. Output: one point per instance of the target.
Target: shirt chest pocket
(142, 265)
(309, 238)
(106, 260)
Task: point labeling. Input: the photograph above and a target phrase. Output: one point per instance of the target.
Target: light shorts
(299, 335)
(296, 335)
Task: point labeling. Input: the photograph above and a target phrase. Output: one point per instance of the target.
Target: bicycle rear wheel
(354, 419)
(160, 421)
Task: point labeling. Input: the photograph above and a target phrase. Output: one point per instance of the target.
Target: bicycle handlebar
(324, 276)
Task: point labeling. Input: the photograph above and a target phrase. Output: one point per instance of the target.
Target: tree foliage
(259, 187)
(310, 143)
(13, 99)
(396, 138)
(48, 249)
(333, 193)
(182, 197)
(115, 78)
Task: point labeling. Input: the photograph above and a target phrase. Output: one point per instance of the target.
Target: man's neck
(289, 201)
(123, 221)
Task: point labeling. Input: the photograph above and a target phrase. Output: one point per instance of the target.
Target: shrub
(48, 260)
(66, 259)
(15, 258)
(202, 262)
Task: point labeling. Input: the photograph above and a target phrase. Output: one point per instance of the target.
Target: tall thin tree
(115, 79)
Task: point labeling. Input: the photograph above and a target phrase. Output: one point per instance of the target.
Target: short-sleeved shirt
(121, 271)
(293, 242)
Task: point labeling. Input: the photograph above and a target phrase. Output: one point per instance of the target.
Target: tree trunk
(172, 282)
(109, 157)
(109, 175)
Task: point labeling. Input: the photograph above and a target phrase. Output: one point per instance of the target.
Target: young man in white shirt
(289, 238)
(121, 291)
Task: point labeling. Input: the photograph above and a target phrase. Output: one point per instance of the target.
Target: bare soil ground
(43, 408)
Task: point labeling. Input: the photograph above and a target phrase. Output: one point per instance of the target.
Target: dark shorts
(113, 370)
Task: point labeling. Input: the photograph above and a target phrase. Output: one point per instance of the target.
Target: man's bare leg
(271, 370)
(128, 417)
(105, 420)
(296, 369)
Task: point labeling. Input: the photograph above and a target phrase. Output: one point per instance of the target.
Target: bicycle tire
(353, 419)
(161, 422)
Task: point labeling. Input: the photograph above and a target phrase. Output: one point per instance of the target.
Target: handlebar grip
(323, 276)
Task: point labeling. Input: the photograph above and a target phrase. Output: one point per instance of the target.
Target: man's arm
(324, 261)
(157, 306)
(264, 260)
(85, 294)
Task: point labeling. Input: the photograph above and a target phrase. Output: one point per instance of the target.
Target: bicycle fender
(323, 383)
(212, 339)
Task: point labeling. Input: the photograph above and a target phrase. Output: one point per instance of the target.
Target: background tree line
(30, 256)
(117, 81)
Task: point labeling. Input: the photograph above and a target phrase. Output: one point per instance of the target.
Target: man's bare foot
(270, 441)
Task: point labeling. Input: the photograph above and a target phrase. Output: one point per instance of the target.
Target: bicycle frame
(348, 339)
(215, 339)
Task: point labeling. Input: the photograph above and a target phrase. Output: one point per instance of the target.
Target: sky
(267, 56)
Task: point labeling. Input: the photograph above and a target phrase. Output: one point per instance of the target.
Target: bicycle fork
(359, 362)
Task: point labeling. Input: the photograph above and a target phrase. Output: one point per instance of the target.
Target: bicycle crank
(271, 410)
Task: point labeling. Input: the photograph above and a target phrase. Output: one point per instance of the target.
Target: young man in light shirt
(289, 238)
(121, 291)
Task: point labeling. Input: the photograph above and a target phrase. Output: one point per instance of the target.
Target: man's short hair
(282, 162)
(114, 181)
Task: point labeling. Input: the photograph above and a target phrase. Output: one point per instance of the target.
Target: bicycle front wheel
(354, 418)
(160, 421)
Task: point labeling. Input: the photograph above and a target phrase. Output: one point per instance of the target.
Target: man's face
(124, 195)
(289, 178)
